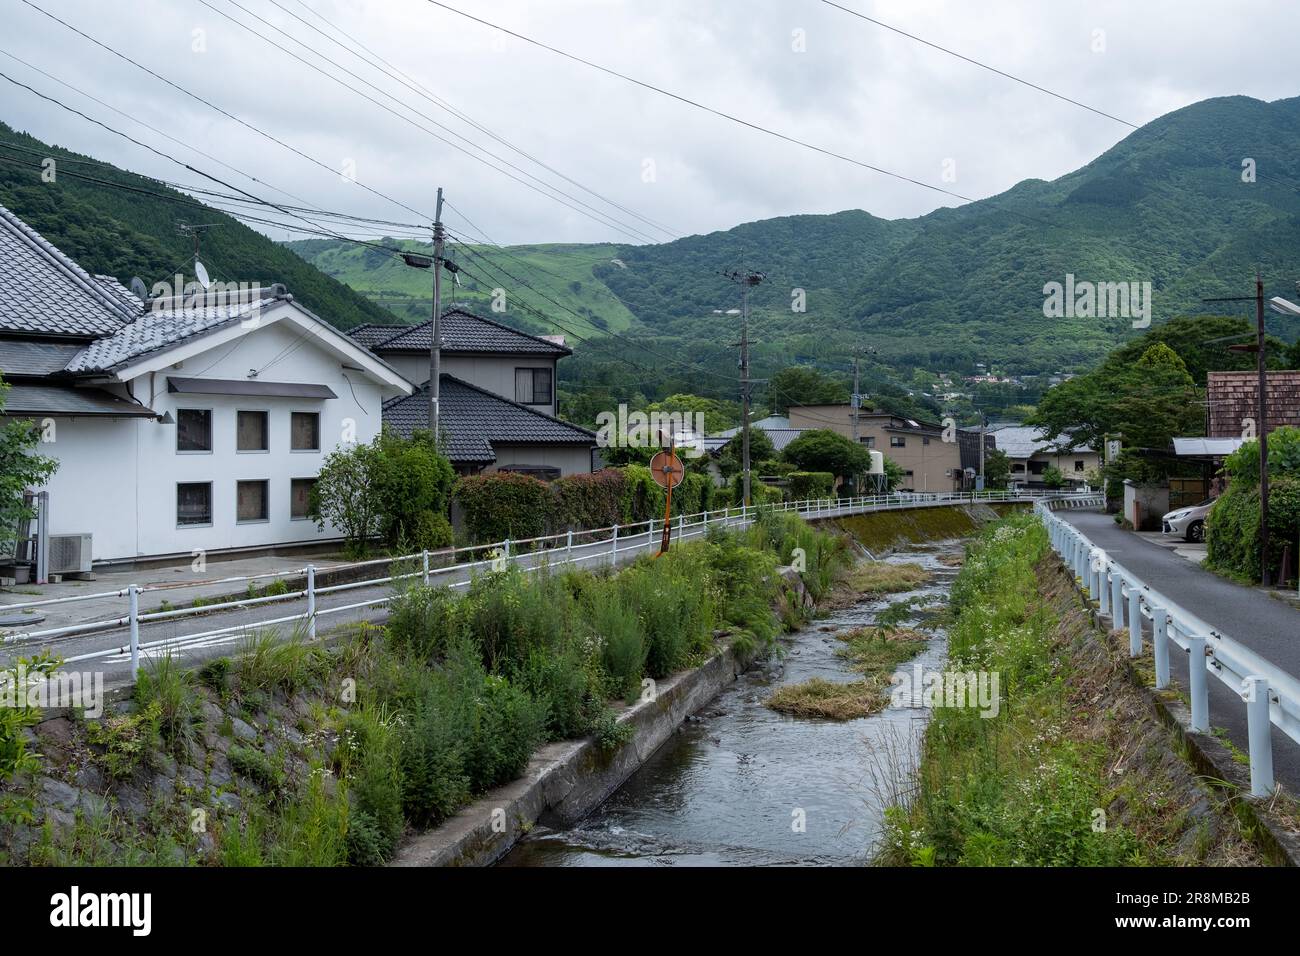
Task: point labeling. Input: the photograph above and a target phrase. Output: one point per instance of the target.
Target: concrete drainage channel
(567, 780)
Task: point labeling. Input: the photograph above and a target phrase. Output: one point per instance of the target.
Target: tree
(1052, 477)
(997, 469)
(20, 470)
(760, 449)
(1148, 398)
(718, 415)
(804, 385)
(392, 487)
(820, 449)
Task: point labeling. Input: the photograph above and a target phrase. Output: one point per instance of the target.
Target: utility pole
(435, 339)
(747, 280)
(854, 409)
(983, 423)
(1263, 430)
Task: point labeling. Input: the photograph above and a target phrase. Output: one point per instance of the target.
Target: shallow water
(732, 786)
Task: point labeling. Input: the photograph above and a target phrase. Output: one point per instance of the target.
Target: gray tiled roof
(371, 334)
(473, 420)
(43, 291)
(461, 332)
(50, 400)
(1022, 441)
(39, 358)
(158, 329)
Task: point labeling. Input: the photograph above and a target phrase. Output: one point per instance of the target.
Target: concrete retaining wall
(567, 780)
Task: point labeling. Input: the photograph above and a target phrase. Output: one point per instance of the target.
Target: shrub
(126, 739)
(1232, 527)
(811, 484)
(642, 498)
(432, 532)
(167, 689)
(588, 501)
(505, 505)
(411, 483)
(434, 783)
(421, 621)
(256, 766)
(567, 682)
(622, 644)
(369, 761)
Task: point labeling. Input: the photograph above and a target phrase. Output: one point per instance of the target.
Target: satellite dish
(201, 273)
(138, 288)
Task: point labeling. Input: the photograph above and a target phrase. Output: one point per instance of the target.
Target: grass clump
(871, 578)
(878, 650)
(167, 690)
(828, 700)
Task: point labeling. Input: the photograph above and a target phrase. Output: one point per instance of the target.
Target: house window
(897, 441)
(251, 501)
(533, 386)
(1078, 464)
(194, 503)
(251, 430)
(925, 439)
(194, 429)
(304, 431)
(868, 440)
(300, 497)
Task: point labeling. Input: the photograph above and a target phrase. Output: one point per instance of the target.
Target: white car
(1188, 523)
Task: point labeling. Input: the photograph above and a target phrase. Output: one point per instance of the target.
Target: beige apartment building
(929, 463)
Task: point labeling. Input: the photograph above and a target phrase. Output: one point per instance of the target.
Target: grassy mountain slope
(116, 232)
(1167, 205)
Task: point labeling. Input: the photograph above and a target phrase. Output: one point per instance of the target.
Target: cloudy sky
(800, 67)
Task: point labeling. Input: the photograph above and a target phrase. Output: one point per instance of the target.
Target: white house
(178, 425)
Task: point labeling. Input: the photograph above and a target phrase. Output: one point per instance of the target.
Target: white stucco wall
(117, 478)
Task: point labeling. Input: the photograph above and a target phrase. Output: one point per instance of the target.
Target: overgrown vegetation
(1060, 775)
(1232, 526)
(306, 757)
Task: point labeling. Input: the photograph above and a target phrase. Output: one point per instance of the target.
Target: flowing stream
(742, 785)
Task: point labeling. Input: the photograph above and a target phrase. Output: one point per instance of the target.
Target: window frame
(305, 451)
(211, 506)
(303, 517)
(534, 369)
(897, 441)
(266, 417)
(266, 500)
(212, 432)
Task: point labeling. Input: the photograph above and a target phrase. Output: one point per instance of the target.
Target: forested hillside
(1167, 205)
(130, 228)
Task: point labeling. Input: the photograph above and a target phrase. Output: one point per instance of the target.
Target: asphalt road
(1267, 626)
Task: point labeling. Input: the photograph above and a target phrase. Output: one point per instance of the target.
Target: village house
(496, 395)
(1030, 455)
(929, 463)
(179, 424)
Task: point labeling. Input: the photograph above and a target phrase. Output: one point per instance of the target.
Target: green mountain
(130, 229)
(1167, 205)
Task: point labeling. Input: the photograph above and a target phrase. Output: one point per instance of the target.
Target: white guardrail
(1270, 694)
(600, 545)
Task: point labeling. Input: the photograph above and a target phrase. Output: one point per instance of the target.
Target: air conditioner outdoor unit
(70, 553)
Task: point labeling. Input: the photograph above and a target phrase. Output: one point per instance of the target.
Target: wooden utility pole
(855, 407)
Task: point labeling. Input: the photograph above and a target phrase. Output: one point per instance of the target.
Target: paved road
(1267, 626)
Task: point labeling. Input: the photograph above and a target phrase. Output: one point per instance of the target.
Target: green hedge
(499, 506)
(811, 484)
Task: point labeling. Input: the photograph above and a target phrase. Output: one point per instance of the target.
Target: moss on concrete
(881, 531)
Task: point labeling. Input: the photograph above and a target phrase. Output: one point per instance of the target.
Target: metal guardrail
(573, 547)
(1270, 694)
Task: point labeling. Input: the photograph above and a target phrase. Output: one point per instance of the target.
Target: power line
(211, 105)
(184, 165)
(591, 213)
(701, 106)
(415, 86)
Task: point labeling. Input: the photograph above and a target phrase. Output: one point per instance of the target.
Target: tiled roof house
(497, 408)
(178, 425)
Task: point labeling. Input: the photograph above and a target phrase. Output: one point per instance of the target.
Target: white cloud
(857, 89)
